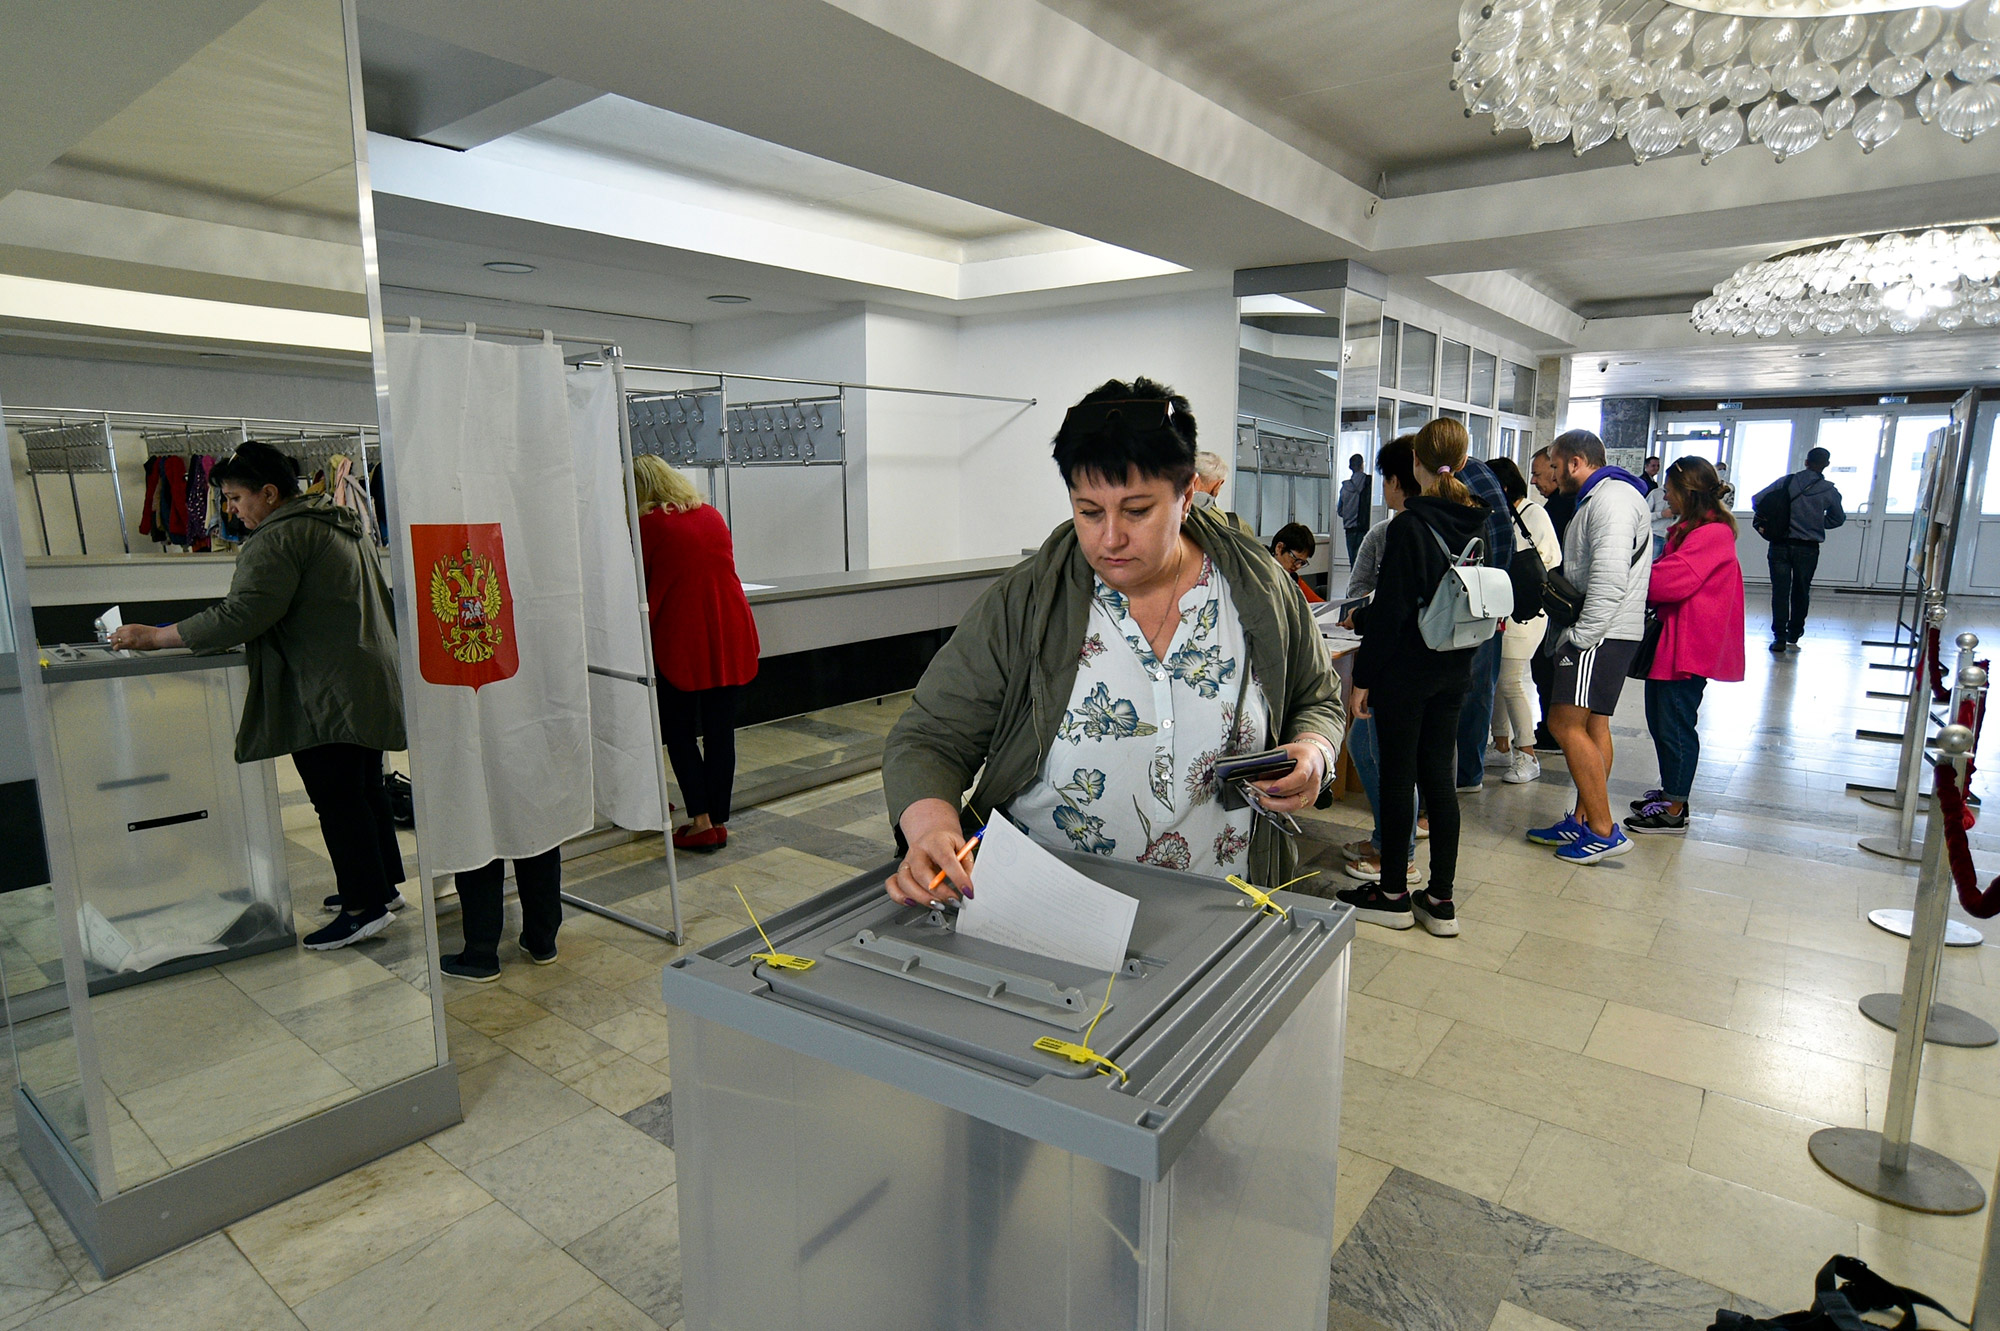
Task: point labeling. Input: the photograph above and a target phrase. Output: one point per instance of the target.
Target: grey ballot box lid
(896, 994)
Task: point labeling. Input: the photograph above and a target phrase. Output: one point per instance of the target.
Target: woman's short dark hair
(1512, 483)
(1121, 428)
(1398, 462)
(1296, 537)
(254, 465)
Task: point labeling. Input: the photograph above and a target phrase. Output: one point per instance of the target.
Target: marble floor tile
(506, 1102)
(612, 968)
(1824, 1025)
(638, 1253)
(1844, 936)
(1659, 986)
(632, 1031)
(468, 1047)
(552, 1044)
(493, 1011)
(1767, 962)
(1950, 1279)
(490, 1269)
(306, 984)
(1764, 1072)
(159, 1032)
(316, 1240)
(32, 1278)
(584, 1003)
(1360, 1178)
(387, 1056)
(1511, 1317)
(1391, 1036)
(1962, 1124)
(623, 1084)
(1587, 1095)
(343, 1018)
(1578, 921)
(1500, 1002)
(1675, 1216)
(602, 1309)
(199, 1113)
(1467, 1143)
(655, 1118)
(206, 1285)
(1722, 912)
(578, 1175)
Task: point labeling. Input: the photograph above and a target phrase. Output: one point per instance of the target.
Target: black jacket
(1393, 655)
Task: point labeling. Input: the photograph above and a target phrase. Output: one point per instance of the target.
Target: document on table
(1026, 898)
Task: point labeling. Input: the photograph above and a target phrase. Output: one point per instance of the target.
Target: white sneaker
(1526, 767)
(1499, 757)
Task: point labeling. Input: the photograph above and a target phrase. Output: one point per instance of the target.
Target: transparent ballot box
(179, 850)
(876, 1142)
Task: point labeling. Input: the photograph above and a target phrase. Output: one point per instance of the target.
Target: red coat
(703, 635)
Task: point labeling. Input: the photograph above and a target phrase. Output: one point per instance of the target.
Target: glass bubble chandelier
(1712, 75)
(1899, 281)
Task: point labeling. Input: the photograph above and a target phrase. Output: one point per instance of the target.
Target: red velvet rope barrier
(1935, 651)
(1981, 904)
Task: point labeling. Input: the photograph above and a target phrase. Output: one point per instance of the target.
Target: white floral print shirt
(1131, 773)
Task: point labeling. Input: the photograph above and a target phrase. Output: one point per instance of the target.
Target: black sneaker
(478, 972)
(1436, 914)
(1653, 796)
(332, 904)
(1777, 646)
(547, 958)
(1659, 817)
(347, 929)
(1375, 906)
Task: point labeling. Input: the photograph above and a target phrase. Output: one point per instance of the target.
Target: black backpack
(1771, 512)
(1529, 576)
(1844, 1290)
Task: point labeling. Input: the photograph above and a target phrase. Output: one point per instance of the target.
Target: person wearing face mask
(310, 606)
(1092, 689)
(1210, 471)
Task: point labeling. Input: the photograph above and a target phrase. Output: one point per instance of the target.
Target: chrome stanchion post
(1910, 762)
(1887, 1165)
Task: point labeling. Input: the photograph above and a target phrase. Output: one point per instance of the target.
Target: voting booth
(883, 1123)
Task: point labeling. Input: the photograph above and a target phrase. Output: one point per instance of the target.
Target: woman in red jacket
(704, 643)
(1697, 592)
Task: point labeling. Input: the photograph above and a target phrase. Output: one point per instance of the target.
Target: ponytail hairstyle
(1705, 497)
(1440, 448)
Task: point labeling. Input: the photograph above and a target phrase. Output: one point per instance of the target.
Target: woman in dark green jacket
(1092, 689)
(309, 605)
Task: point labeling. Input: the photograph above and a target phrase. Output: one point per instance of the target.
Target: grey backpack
(1469, 601)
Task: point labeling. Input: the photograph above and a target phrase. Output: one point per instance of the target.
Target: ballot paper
(1026, 898)
(108, 623)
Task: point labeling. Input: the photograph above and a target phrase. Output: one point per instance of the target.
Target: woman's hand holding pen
(936, 841)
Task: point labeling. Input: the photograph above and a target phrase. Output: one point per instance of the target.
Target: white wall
(645, 341)
(914, 442)
(1010, 495)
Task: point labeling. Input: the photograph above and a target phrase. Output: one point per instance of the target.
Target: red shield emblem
(467, 635)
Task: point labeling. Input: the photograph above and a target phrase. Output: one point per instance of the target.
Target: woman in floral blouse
(1092, 689)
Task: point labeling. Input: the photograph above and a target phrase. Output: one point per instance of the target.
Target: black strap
(1844, 1289)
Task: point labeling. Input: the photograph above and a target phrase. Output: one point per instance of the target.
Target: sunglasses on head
(1139, 415)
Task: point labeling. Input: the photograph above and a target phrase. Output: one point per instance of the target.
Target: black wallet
(1238, 770)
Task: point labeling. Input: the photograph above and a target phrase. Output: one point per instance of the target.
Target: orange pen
(963, 851)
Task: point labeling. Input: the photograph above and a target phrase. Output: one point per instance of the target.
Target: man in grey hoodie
(1608, 556)
(1794, 554)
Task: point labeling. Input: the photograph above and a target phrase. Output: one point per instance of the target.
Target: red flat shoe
(715, 838)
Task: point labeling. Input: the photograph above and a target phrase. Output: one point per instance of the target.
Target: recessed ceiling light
(216, 355)
(1811, 355)
(1661, 381)
(1990, 367)
(508, 266)
(1628, 362)
(729, 300)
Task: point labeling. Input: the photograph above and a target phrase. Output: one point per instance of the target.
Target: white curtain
(481, 435)
(624, 750)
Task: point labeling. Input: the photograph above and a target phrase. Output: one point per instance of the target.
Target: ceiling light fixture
(1811, 355)
(1944, 276)
(508, 266)
(729, 300)
(1714, 74)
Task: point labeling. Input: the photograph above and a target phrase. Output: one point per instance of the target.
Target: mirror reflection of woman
(1092, 689)
(310, 606)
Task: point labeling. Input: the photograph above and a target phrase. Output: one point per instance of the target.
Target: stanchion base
(1889, 799)
(1897, 922)
(1932, 1184)
(1893, 849)
(1948, 1025)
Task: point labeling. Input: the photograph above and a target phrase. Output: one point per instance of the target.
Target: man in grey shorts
(1608, 556)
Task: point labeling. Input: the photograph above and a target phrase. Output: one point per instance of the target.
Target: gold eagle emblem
(467, 594)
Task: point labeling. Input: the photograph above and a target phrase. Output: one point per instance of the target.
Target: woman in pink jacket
(1697, 591)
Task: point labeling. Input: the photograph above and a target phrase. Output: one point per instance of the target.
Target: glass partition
(183, 880)
(1392, 342)
(1761, 452)
(1485, 367)
(1855, 443)
(1906, 460)
(1479, 431)
(1419, 361)
(1454, 370)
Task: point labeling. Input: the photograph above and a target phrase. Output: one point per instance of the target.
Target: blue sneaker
(1589, 848)
(1564, 832)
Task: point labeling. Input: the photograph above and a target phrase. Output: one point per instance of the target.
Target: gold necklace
(1173, 593)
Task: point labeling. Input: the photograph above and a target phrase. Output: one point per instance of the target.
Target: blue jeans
(1475, 716)
(1366, 755)
(1671, 708)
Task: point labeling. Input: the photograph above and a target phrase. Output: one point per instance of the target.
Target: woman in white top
(1514, 696)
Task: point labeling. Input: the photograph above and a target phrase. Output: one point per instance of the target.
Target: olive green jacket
(990, 702)
(309, 604)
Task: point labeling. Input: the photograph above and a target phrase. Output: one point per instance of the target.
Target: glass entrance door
(1857, 444)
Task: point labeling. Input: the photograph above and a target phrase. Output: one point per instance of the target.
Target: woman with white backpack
(1431, 591)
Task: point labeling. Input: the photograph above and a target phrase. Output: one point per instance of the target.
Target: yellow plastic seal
(1081, 1053)
(784, 961)
(1263, 898)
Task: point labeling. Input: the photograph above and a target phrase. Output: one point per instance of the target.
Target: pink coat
(1697, 588)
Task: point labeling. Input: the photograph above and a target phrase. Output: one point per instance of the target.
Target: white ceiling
(1879, 362)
